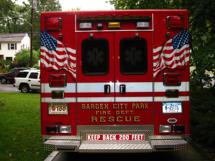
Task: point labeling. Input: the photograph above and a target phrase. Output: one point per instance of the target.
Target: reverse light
(85, 25)
(58, 129)
(143, 25)
(57, 80)
(171, 107)
(113, 25)
(165, 129)
(65, 129)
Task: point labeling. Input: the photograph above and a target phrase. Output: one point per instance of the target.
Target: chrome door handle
(106, 88)
(122, 88)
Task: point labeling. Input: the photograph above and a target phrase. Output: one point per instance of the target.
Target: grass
(20, 138)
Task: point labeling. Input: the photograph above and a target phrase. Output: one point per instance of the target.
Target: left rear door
(95, 77)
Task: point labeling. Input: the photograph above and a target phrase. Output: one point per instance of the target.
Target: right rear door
(133, 77)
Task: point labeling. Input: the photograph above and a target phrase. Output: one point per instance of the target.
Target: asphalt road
(8, 88)
(190, 154)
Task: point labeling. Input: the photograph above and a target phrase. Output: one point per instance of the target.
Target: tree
(5, 17)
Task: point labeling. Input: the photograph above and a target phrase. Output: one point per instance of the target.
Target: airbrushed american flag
(173, 54)
(55, 55)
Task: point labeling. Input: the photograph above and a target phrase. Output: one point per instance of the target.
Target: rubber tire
(24, 88)
(3, 81)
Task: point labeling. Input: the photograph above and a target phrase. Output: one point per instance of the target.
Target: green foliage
(148, 4)
(4, 66)
(22, 58)
(202, 116)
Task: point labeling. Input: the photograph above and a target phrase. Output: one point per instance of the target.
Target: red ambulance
(115, 81)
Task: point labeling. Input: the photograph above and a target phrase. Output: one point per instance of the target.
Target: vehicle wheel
(3, 81)
(24, 88)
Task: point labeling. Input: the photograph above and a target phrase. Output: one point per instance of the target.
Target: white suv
(27, 80)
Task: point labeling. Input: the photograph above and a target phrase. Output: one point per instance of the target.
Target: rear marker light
(85, 25)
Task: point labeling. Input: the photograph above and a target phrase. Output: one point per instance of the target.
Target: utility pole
(33, 6)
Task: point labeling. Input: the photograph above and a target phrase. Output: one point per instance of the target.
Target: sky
(82, 4)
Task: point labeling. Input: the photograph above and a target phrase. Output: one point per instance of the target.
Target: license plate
(172, 107)
(115, 137)
(58, 109)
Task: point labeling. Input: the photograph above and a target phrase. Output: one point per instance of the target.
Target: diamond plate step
(108, 146)
(169, 144)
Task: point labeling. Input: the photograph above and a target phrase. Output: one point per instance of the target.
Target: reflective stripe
(70, 88)
(134, 99)
(118, 99)
(94, 87)
(163, 99)
(130, 87)
(160, 87)
(135, 86)
(65, 100)
(95, 99)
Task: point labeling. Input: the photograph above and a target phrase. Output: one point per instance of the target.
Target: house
(11, 44)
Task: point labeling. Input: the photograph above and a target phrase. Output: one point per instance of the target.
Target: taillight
(171, 79)
(57, 80)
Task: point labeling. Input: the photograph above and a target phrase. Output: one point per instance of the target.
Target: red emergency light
(174, 22)
(53, 24)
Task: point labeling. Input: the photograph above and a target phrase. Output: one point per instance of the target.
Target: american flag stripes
(174, 53)
(54, 55)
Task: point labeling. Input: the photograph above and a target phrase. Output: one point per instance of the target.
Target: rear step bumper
(155, 143)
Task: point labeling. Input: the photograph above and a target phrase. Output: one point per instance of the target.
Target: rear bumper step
(114, 147)
(155, 143)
